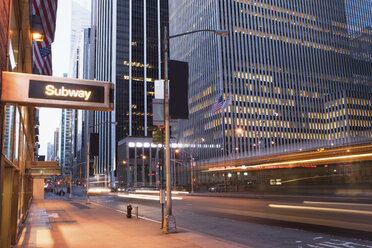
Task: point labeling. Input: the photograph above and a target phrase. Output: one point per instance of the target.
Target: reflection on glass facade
(299, 74)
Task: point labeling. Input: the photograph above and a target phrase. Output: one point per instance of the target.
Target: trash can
(129, 211)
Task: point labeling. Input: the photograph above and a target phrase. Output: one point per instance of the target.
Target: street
(262, 220)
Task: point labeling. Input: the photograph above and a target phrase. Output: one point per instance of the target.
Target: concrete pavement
(72, 223)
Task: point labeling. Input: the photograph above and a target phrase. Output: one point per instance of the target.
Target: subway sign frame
(56, 92)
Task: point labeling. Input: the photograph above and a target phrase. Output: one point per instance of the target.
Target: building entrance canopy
(56, 92)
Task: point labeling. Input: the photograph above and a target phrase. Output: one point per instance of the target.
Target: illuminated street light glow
(239, 131)
(37, 37)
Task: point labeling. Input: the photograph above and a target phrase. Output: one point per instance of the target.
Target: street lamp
(170, 221)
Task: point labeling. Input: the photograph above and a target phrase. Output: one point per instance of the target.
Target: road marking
(334, 243)
(339, 203)
(350, 211)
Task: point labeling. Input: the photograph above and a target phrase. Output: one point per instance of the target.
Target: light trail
(338, 203)
(289, 163)
(350, 211)
(98, 190)
(146, 197)
(157, 191)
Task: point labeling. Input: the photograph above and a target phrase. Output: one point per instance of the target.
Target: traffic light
(92, 166)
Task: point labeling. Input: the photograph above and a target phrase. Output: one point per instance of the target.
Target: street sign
(56, 92)
(158, 112)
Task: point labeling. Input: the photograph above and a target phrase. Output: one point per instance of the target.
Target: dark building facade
(128, 53)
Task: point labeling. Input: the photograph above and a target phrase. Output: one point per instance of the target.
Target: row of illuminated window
(351, 27)
(360, 123)
(243, 122)
(188, 132)
(141, 79)
(286, 124)
(359, 101)
(212, 124)
(290, 40)
(205, 92)
(257, 99)
(336, 102)
(342, 112)
(266, 89)
(139, 64)
(246, 75)
(205, 104)
(277, 18)
(277, 9)
(359, 112)
(283, 135)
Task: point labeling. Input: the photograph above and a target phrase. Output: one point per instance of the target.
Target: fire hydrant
(129, 211)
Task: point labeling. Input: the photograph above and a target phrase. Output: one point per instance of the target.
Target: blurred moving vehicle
(48, 187)
(217, 188)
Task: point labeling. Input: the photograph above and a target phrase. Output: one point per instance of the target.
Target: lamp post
(169, 220)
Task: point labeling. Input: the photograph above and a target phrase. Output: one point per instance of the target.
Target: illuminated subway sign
(50, 90)
(61, 91)
(56, 92)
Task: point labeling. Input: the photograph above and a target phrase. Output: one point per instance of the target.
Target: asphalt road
(264, 221)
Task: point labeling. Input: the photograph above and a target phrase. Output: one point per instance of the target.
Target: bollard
(136, 208)
(129, 211)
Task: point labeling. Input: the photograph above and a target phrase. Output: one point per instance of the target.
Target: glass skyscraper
(128, 53)
(299, 74)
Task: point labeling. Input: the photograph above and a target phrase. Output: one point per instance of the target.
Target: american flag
(42, 53)
(42, 57)
(218, 104)
(47, 11)
(227, 102)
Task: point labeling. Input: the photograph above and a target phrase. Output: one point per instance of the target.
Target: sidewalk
(72, 223)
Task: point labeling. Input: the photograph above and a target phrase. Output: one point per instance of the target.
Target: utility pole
(87, 172)
(169, 220)
(192, 173)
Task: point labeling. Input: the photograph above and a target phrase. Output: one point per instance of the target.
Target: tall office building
(67, 135)
(299, 74)
(56, 145)
(128, 38)
(49, 156)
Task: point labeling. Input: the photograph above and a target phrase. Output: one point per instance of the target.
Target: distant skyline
(50, 118)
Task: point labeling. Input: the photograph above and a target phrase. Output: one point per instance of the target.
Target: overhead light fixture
(37, 37)
(36, 28)
(222, 33)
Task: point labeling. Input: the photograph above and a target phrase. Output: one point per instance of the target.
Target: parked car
(217, 188)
